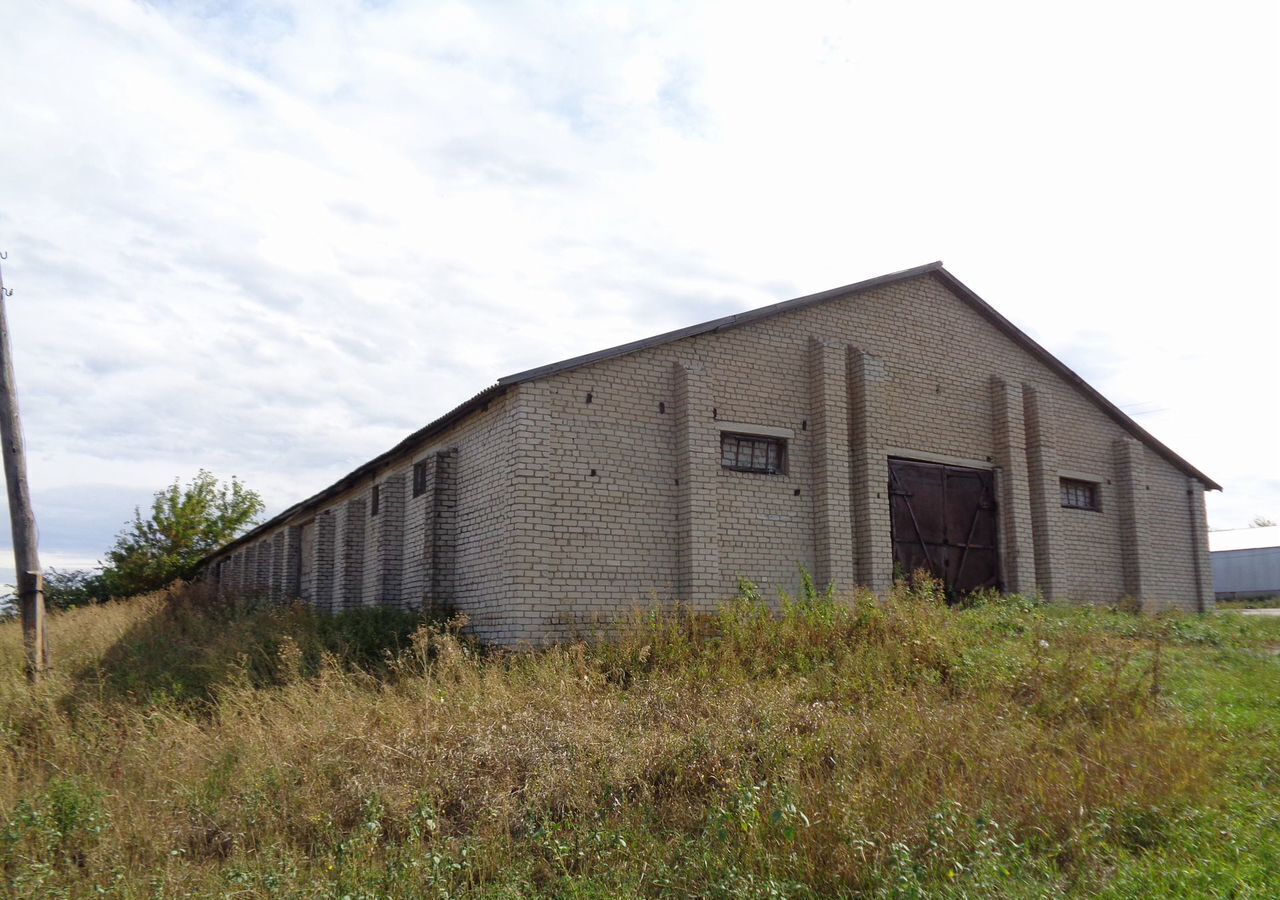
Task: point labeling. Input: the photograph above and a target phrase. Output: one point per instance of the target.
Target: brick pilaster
(263, 567)
(697, 451)
(529, 611)
(291, 557)
(276, 590)
(869, 471)
(389, 541)
(1042, 480)
(1018, 556)
(832, 512)
(1203, 601)
(324, 591)
(249, 584)
(353, 547)
(444, 528)
(1131, 497)
(231, 575)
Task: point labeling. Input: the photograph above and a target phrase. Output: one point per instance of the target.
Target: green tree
(185, 525)
(64, 589)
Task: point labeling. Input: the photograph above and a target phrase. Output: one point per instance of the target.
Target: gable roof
(933, 270)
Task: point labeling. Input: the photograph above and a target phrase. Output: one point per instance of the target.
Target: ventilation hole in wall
(796, 492)
(588, 396)
(677, 481)
(715, 413)
(662, 407)
(593, 473)
(804, 426)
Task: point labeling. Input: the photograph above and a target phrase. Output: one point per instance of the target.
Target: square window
(1078, 494)
(753, 453)
(419, 479)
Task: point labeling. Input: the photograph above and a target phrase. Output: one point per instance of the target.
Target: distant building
(1246, 562)
(877, 428)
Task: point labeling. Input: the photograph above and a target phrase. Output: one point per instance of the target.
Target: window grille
(753, 453)
(1079, 494)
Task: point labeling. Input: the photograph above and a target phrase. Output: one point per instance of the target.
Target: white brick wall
(583, 494)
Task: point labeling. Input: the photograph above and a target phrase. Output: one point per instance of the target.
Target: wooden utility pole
(26, 554)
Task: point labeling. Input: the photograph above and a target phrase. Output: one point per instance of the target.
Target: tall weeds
(833, 744)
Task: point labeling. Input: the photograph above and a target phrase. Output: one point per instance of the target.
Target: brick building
(878, 427)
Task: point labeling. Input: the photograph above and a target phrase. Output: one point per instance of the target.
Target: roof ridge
(721, 324)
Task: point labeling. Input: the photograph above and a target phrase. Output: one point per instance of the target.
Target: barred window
(419, 479)
(753, 453)
(1079, 494)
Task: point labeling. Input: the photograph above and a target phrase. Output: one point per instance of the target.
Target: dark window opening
(753, 453)
(1079, 494)
(373, 501)
(419, 479)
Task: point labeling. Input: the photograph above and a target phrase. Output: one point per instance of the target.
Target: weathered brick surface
(388, 541)
(1134, 515)
(354, 549)
(249, 580)
(443, 535)
(279, 564)
(696, 446)
(1042, 484)
(869, 441)
(325, 562)
(580, 495)
(1017, 550)
(291, 559)
(832, 508)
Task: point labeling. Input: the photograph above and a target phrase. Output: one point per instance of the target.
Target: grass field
(893, 747)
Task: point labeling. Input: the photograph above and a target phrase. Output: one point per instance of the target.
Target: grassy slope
(890, 746)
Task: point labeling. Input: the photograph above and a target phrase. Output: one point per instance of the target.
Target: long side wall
(441, 547)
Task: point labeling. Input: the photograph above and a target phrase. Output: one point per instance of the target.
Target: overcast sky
(271, 239)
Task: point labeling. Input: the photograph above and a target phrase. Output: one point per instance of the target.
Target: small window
(753, 453)
(373, 501)
(419, 479)
(1079, 494)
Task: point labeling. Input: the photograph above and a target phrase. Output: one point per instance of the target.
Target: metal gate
(944, 521)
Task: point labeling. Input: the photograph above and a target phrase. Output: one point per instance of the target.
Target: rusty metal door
(944, 521)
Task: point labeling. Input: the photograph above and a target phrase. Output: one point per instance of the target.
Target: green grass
(829, 746)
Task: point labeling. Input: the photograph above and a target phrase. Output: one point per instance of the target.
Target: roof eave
(1062, 369)
(353, 477)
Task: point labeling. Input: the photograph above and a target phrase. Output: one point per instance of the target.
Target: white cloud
(272, 239)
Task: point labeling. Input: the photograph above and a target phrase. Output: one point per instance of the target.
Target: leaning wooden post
(26, 555)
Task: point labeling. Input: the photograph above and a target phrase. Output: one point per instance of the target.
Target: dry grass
(185, 746)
